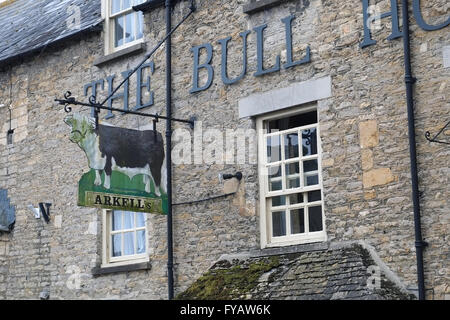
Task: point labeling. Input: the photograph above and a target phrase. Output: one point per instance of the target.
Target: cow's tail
(164, 176)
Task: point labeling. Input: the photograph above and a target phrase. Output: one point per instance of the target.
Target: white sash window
(290, 178)
(124, 237)
(124, 27)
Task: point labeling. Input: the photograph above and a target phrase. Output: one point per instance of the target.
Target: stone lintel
(278, 99)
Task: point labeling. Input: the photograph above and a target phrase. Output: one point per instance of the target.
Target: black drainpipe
(409, 81)
(169, 149)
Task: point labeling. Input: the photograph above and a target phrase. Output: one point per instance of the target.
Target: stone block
(366, 159)
(368, 134)
(377, 177)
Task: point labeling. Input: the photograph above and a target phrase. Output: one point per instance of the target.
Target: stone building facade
(357, 94)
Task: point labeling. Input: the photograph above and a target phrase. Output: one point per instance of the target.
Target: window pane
(118, 32)
(296, 198)
(309, 142)
(273, 149)
(140, 241)
(129, 28)
(136, 2)
(297, 221)
(314, 196)
(291, 146)
(128, 220)
(291, 122)
(115, 6)
(117, 245)
(140, 219)
(128, 243)
(292, 175)
(310, 172)
(279, 224)
(315, 218)
(140, 25)
(117, 220)
(126, 4)
(275, 178)
(278, 201)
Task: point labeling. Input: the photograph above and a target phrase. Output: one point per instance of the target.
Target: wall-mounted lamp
(41, 211)
(228, 176)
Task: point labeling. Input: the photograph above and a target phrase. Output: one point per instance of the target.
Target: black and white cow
(109, 148)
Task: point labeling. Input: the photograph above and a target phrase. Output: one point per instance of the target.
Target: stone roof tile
(29, 25)
(319, 275)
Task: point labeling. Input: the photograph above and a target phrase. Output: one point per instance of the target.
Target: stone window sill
(260, 5)
(99, 271)
(134, 49)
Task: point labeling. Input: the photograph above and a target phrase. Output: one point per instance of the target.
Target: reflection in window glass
(309, 142)
(293, 175)
(275, 181)
(310, 172)
(118, 32)
(296, 198)
(291, 146)
(273, 149)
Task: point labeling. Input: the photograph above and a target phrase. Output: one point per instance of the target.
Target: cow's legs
(98, 177)
(146, 180)
(107, 183)
(108, 171)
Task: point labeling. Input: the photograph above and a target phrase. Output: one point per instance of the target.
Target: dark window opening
(290, 122)
(9, 137)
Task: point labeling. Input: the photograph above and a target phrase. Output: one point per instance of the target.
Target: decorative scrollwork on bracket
(434, 139)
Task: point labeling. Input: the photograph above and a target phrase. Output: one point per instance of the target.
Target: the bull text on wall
(143, 85)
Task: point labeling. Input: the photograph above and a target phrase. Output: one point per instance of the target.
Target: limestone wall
(366, 168)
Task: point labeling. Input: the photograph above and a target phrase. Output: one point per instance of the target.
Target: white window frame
(265, 218)
(107, 258)
(110, 27)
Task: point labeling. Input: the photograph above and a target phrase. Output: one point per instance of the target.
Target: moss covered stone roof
(342, 273)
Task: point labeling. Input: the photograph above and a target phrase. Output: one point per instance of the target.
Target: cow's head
(81, 126)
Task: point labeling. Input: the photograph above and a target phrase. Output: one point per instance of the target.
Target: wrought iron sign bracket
(434, 139)
(69, 100)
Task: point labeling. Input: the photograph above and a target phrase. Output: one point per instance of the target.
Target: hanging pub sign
(127, 170)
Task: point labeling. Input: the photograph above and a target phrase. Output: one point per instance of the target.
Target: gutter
(168, 45)
(409, 82)
(151, 4)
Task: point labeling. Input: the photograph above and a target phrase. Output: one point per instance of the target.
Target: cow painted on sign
(131, 152)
